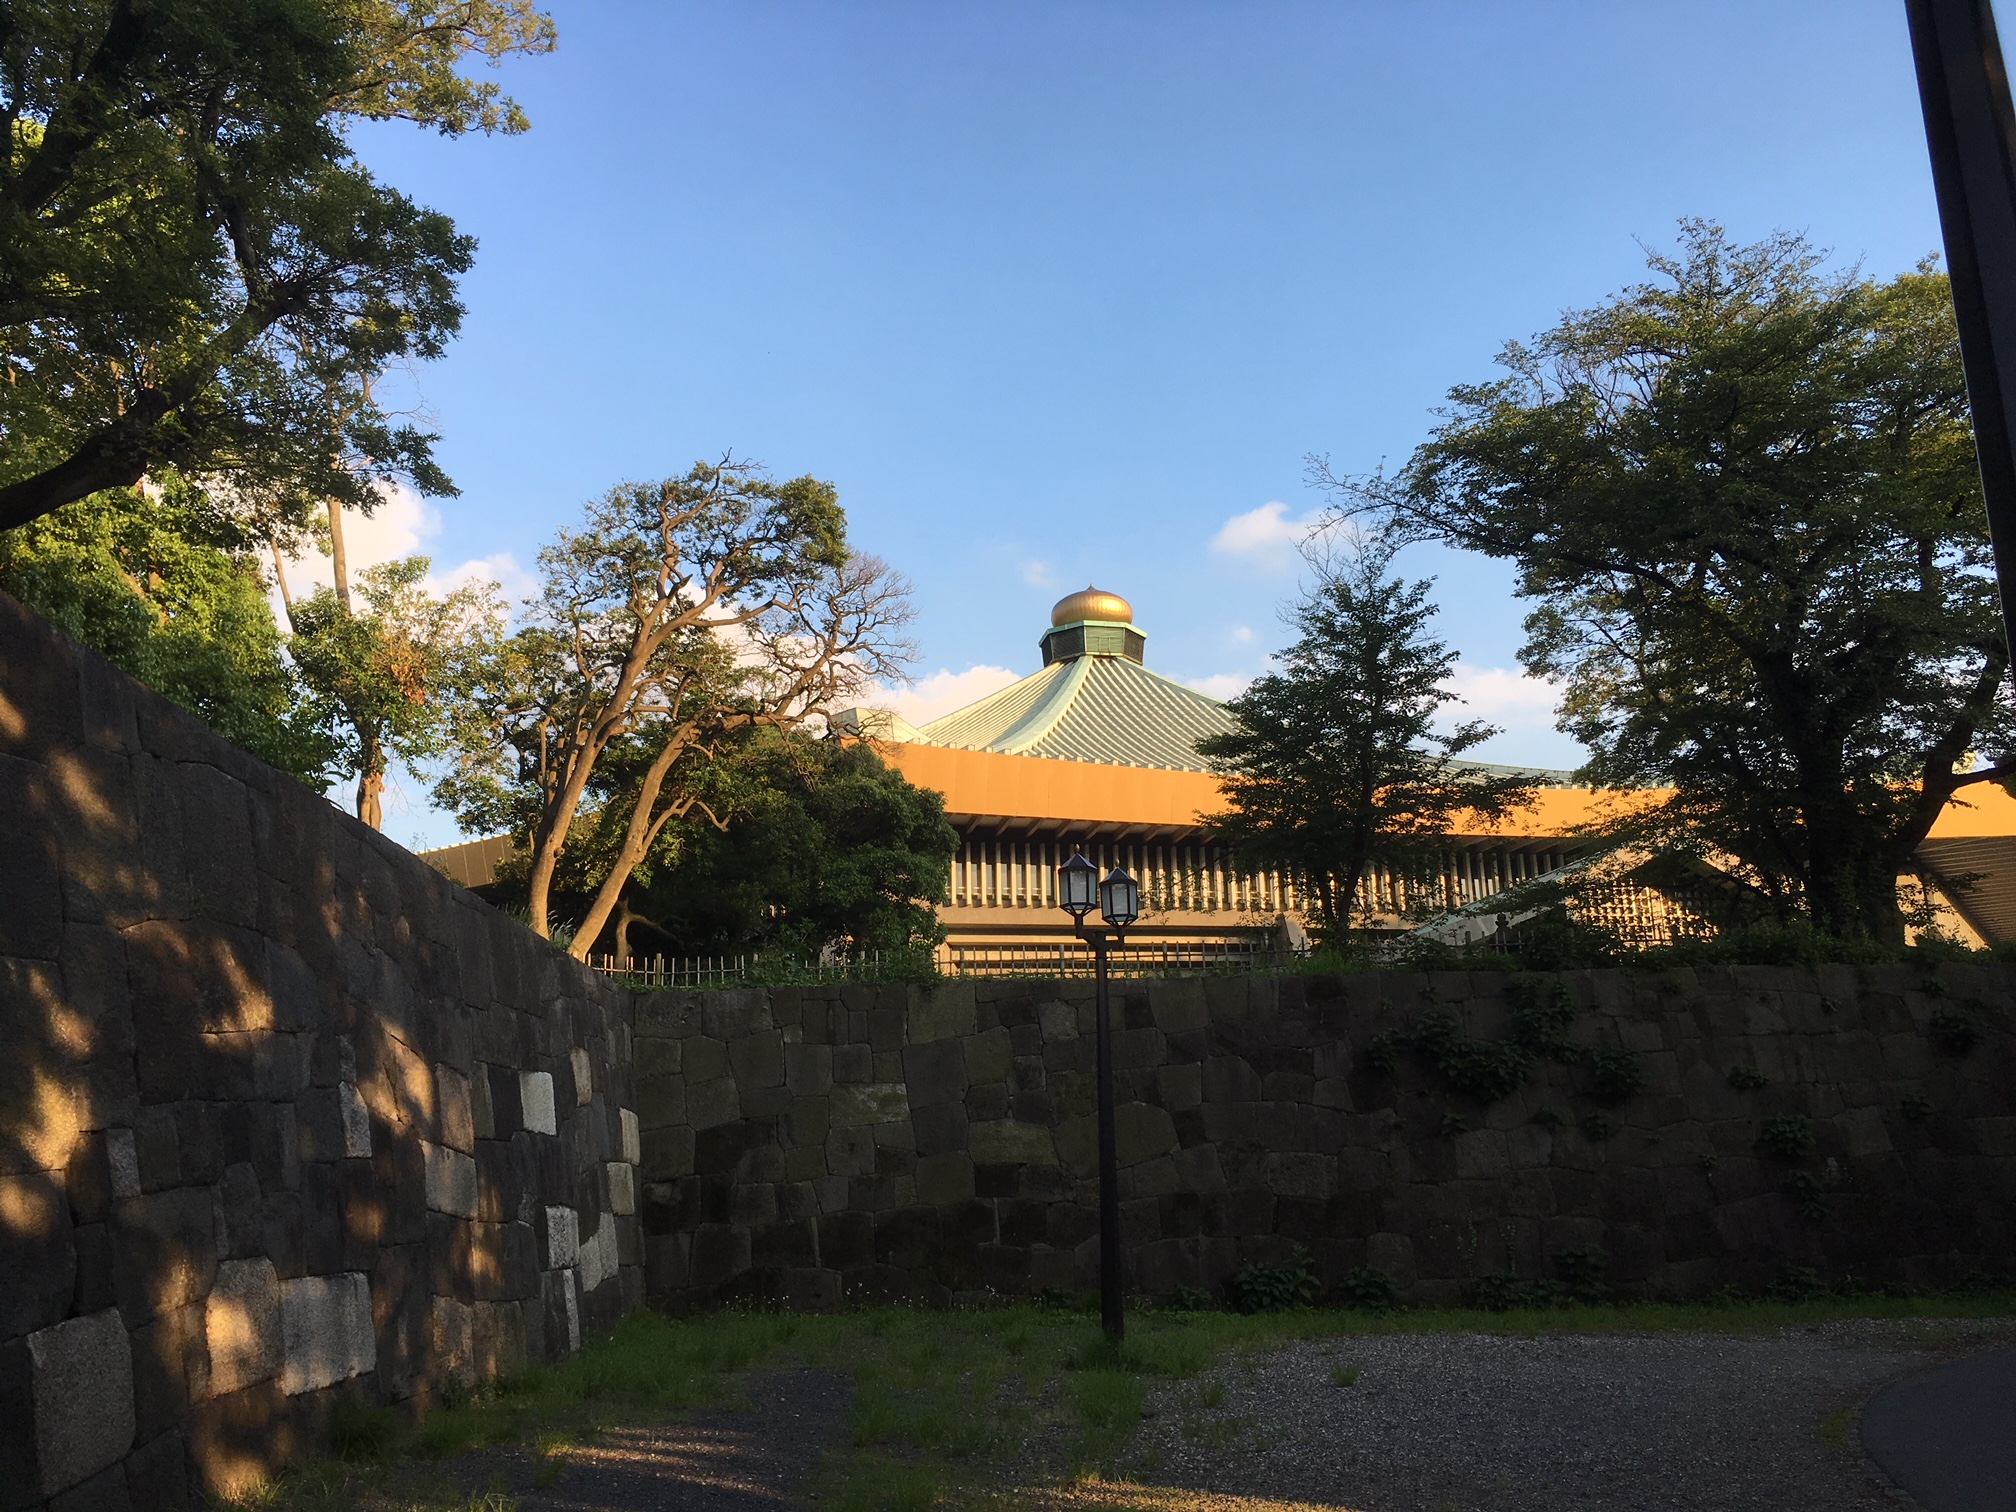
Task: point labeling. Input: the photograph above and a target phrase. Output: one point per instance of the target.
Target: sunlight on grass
(945, 1403)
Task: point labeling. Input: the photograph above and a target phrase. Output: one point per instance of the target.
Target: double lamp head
(1079, 887)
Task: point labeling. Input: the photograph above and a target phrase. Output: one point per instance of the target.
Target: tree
(379, 678)
(195, 271)
(140, 580)
(821, 844)
(1743, 496)
(1333, 762)
(683, 613)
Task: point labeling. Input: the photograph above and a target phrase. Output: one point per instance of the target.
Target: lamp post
(1119, 899)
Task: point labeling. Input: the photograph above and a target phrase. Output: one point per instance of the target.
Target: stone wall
(827, 1145)
(285, 1116)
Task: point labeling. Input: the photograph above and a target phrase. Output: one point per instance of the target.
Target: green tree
(682, 614)
(1333, 762)
(379, 672)
(195, 270)
(818, 843)
(139, 580)
(1744, 499)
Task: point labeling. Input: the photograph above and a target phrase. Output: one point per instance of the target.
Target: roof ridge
(1042, 717)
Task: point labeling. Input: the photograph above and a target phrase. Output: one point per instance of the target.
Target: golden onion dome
(1092, 604)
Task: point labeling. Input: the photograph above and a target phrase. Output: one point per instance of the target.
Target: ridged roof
(1106, 709)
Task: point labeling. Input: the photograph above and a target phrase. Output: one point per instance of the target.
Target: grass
(955, 1408)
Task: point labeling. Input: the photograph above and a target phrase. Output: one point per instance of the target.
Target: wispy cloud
(943, 692)
(1503, 696)
(1266, 537)
(403, 524)
(1038, 573)
(1220, 685)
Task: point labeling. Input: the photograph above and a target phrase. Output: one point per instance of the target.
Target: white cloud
(942, 692)
(500, 568)
(403, 524)
(1038, 573)
(1220, 685)
(1266, 536)
(1502, 696)
(1241, 635)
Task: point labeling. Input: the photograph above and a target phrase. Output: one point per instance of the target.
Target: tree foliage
(1333, 762)
(195, 270)
(379, 673)
(681, 614)
(139, 580)
(1744, 499)
(823, 845)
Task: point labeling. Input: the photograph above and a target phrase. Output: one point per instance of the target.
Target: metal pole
(1970, 128)
(1110, 1314)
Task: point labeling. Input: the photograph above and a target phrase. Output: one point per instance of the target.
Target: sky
(1059, 294)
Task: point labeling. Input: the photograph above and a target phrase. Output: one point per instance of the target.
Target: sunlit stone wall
(285, 1116)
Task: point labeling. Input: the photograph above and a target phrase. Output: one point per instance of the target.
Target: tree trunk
(280, 577)
(637, 838)
(371, 782)
(339, 559)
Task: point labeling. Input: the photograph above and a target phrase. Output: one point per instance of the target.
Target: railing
(1065, 959)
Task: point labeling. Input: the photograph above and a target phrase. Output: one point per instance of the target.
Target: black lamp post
(1119, 899)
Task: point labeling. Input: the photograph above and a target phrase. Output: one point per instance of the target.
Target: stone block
(356, 1121)
(164, 1251)
(563, 1239)
(1142, 1132)
(712, 1103)
(1059, 1021)
(241, 1325)
(853, 1063)
(942, 1012)
(451, 1180)
(1178, 1005)
(326, 1331)
(621, 1179)
(757, 1060)
(451, 1340)
(631, 1135)
(863, 1103)
(81, 1387)
(457, 1112)
(1004, 1142)
(1289, 1174)
(935, 1073)
(944, 1178)
(584, 1076)
(535, 1102)
(808, 1069)
(38, 1256)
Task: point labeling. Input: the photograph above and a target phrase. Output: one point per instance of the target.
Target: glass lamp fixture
(1077, 881)
(1119, 899)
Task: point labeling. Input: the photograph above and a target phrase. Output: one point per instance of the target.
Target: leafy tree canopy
(195, 270)
(824, 845)
(1744, 499)
(379, 669)
(1333, 762)
(134, 578)
(681, 614)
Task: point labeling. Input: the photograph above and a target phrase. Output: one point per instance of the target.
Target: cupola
(1092, 622)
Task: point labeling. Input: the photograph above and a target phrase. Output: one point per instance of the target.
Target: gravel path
(1475, 1423)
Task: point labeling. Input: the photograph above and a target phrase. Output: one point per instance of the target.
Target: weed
(1550, 1116)
(1803, 1187)
(1344, 1375)
(1370, 1289)
(1597, 1127)
(1916, 1107)
(361, 1433)
(1271, 1288)
(1786, 1135)
(1834, 1427)
(1616, 1074)
(1581, 1271)
(1955, 1030)
(1798, 1283)
(1747, 1078)
(1454, 1124)
(1187, 1299)
(1384, 1050)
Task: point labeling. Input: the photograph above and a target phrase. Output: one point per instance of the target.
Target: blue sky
(1055, 292)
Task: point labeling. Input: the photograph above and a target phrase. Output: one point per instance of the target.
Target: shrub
(1369, 1289)
(1955, 1030)
(1582, 1270)
(1787, 1135)
(1797, 1283)
(1803, 1187)
(1917, 1107)
(1274, 1288)
(1616, 1074)
(1187, 1299)
(1747, 1078)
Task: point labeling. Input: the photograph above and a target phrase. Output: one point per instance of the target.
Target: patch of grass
(1834, 1427)
(1344, 1375)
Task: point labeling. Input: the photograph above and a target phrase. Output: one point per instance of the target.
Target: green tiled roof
(1106, 709)
(1114, 711)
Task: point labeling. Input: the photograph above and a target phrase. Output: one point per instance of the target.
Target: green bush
(1747, 1078)
(1616, 1074)
(1274, 1288)
(1955, 1030)
(1787, 1135)
(1369, 1289)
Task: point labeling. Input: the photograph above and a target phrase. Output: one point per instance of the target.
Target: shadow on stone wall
(822, 1146)
(285, 1116)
